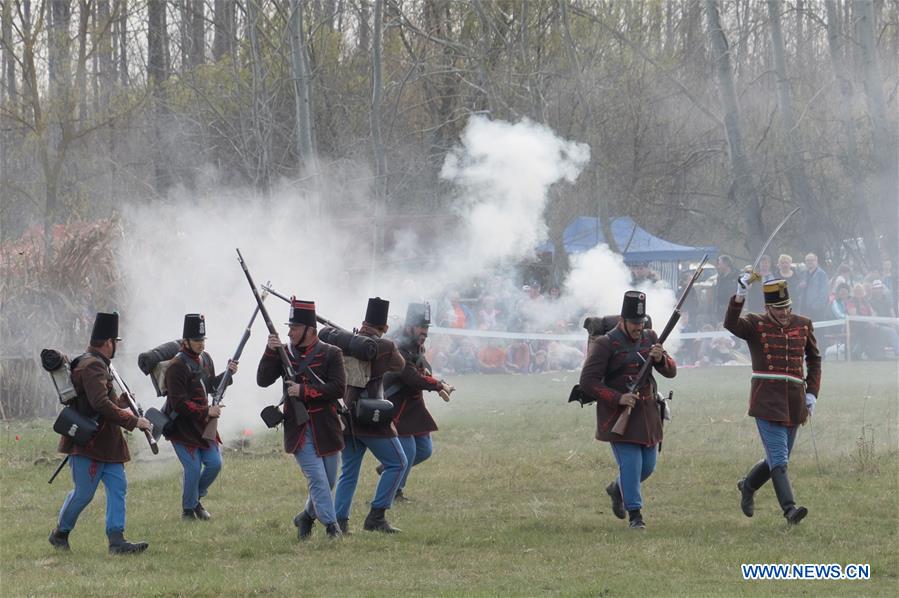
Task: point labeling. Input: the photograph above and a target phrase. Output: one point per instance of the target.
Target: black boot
(755, 479)
(119, 545)
(344, 525)
(784, 491)
(188, 514)
(400, 497)
(304, 522)
(333, 531)
(201, 512)
(59, 539)
(376, 522)
(614, 493)
(636, 520)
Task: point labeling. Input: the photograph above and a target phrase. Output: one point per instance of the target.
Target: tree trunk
(157, 74)
(364, 27)
(303, 89)
(743, 189)
(883, 132)
(58, 111)
(261, 114)
(223, 20)
(375, 116)
(84, 13)
(9, 59)
(845, 101)
(197, 33)
(122, 11)
(800, 188)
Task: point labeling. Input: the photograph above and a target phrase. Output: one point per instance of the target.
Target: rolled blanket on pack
(52, 360)
(364, 348)
(149, 360)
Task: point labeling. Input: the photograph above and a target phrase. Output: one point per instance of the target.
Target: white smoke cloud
(179, 256)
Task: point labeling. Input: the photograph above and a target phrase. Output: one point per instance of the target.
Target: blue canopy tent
(634, 242)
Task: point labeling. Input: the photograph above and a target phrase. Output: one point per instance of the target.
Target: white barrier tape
(581, 337)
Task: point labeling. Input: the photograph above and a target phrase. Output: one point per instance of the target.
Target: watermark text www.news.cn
(805, 571)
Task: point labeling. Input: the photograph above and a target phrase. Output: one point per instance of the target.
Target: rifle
(218, 396)
(135, 408)
(287, 372)
(58, 469)
(268, 288)
(638, 381)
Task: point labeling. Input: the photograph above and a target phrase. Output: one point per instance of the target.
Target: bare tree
(157, 74)
(883, 131)
(9, 59)
(223, 19)
(377, 143)
(800, 188)
(743, 192)
(305, 145)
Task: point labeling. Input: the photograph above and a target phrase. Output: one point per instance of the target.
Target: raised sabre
(755, 265)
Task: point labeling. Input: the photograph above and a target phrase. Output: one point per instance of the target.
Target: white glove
(743, 284)
(810, 401)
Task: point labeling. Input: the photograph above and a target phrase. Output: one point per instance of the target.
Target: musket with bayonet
(287, 372)
(133, 405)
(218, 396)
(638, 381)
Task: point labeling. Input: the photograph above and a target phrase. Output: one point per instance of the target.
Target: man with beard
(413, 422)
(782, 397)
(189, 379)
(377, 436)
(317, 441)
(103, 458)
(612, 363)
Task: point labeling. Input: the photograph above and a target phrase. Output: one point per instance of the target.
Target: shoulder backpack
(70, 422)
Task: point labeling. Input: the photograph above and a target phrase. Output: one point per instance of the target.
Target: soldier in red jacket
(405, 389)
(317, 442)
(188, 380)
(612, 363)
(103, 458)
(379, 437)
(782, 397)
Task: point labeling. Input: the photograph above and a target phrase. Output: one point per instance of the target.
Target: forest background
(707, 122)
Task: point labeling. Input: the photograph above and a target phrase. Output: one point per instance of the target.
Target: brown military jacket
(187, 396)
(612, 363)
(411, 416)
(320, 400)
(778, 382)
(96, 398)
(388, 360)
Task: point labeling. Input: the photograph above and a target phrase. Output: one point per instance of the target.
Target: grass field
(512, 503)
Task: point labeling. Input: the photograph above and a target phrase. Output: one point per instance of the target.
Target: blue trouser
(386, 450)
(87, 473)
(778, 441)
(635, 463)
(201, 467)
(320, 472)
(416, 449)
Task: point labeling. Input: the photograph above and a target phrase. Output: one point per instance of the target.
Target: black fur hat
(633, 308)
(376, 314)
(106, 326)
(194, 327)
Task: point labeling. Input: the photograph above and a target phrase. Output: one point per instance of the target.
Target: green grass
(512, 503)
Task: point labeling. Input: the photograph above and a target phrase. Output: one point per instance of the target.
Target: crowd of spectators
(498, 305)
(851, 291)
